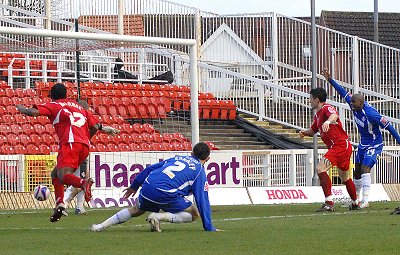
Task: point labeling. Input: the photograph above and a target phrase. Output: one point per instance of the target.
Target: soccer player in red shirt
(74, 126)
(328, 124)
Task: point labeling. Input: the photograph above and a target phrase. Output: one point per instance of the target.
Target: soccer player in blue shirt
(164, 187)
(368, 121)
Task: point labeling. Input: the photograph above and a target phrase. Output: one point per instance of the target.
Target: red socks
(71, 179)
(351, 189)
(58, 190)
(326, 183)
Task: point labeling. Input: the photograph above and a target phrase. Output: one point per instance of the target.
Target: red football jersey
(69, 119)
(335, 133)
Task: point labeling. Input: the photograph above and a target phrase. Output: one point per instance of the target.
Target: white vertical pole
(47, 6)
(194, 95)
(356, 65)
(275, 49)
(292, 168)
(121, 12)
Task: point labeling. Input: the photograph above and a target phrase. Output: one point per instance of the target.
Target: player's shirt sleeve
(200, 192)
(91, 120)
(138, 181)
(376, 118)
(314, 126)
(342, 92)
(44, 109)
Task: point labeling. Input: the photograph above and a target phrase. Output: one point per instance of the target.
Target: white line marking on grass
(226, 219)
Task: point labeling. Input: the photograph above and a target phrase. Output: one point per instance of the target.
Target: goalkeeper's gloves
(110, 130)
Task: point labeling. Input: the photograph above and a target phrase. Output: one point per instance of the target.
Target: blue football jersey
(368, 120)
(179, 176)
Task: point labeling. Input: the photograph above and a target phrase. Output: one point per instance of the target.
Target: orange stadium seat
(10, 92)
(136, 138)
(133, 111)
(145, 146)
(146, 137)
(106, 119)
(105, 138)
(101, 147)
(156, 147)
(48, 139)
(42, 120)
(126, 127)
(123, 112)
(126, 137)
(215, 109)
(6, 101)
(28, 101)
(19, 118)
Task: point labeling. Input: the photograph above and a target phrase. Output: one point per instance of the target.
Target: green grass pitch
(254, 229)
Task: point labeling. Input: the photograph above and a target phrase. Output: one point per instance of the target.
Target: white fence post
(309, 167)
(292, 168)
(356, 65)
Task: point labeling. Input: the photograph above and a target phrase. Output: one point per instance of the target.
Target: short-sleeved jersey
(368, 120)
(336, 133)
(70, 120)
(178, 176)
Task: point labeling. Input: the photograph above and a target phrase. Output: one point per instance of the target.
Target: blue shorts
(175, 204)
(368, 156)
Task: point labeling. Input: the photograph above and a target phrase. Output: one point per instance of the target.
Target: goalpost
(111, 170)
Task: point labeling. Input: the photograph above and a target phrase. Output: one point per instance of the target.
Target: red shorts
(72, 155)
(339, 155)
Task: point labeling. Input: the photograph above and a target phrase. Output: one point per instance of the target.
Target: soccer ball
(41, 192)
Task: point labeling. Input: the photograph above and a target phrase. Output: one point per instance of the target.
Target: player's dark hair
(319, 93)
(201, 151)
(58, 91)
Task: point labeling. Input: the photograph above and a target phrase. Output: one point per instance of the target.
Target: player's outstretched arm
(393, 132)
(342, 92)
(28, 111)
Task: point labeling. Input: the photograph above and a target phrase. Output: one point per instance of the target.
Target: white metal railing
(295, 167)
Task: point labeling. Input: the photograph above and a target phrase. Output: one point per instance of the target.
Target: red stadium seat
(38, 100)
(16, 100)
(133, 111)
(136, 138)
(5, 129)
(156, 147)
(147, 137)
(6, 101)
(148, 128)
(138, 128)
(167, 146)
(127, 128)
(3, 140)
(126, 137)
(12, 139)
(36, 139)
(105, 138)
(28, 129)
(20, 119)
(54, 148)
(39, 129)
(157, 137)
(49, 129)
(112, 147)
(134, 147)
(11, 109)
(232, 110)
(145, 146)
(123, 111)
(20, 92)
(48, 139)
(42, 120)
(106, 119)
(19, 149)
(8, 119)
(7, 149)
(16, 129)
(101, 109)
(101, 147)
(44, 149)
(123, 147)
(113, 110)
(24, 139)
(216, 109)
